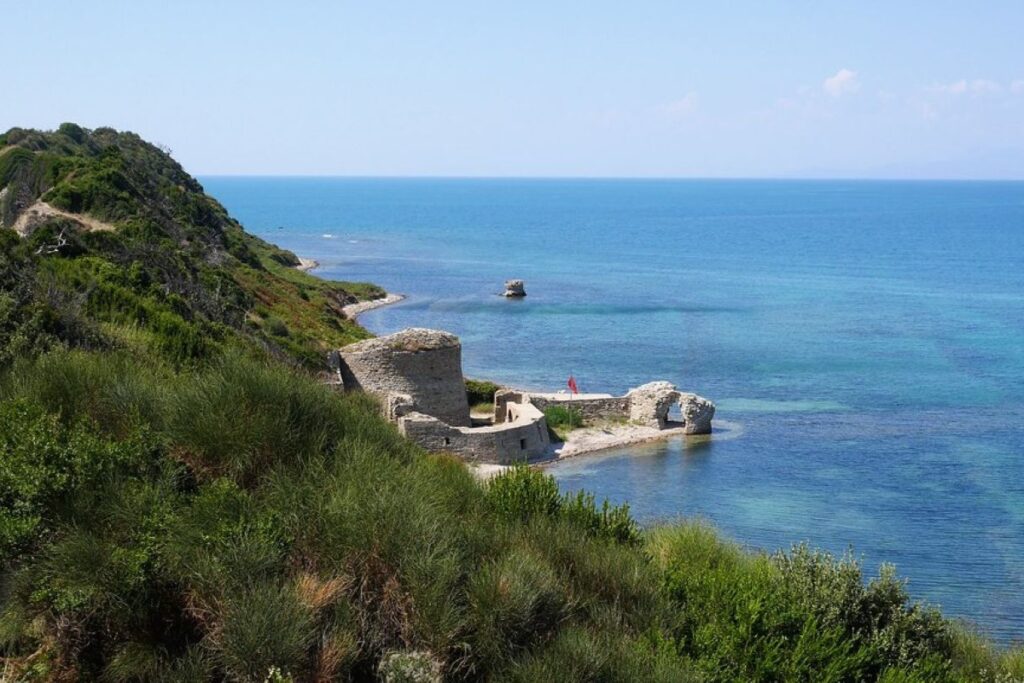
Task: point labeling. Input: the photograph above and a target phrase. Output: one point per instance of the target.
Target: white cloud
(844, 81)
(927, 111)
(681, 107)
(979, 86)
(1017, 87)
(985, 86)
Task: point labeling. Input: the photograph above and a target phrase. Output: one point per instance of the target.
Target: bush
(276, 327)
(513, 602)
(240, 416)
(798, 615)
(480, 392)
(410, 667)
(562, 416)
(521, 493)
(46, 464)
(115, 392)
(581, 654)
(878, 616)
(265, 627)
(561, 420)
(610, 521)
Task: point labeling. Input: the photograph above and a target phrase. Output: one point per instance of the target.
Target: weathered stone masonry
(417, 374)
(425, 365)
(647, 405)
(523, 438)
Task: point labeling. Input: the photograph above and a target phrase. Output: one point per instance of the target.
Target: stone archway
(649, 404)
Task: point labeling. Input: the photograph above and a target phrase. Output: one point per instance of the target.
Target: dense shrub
(562, 416)
(521, 493)
(241, 415)
(240, 521)
(798, 615)
(513, 602)
(561, 420)
(46, 463)
(176, 505)
(480, 392)
(582, 654)
(177, 277)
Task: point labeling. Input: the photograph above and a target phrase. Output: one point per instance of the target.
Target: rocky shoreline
(353, 310)
(599, 438)
(590, 440)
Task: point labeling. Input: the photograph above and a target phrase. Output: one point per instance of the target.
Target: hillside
(181, 500)
(110, 244)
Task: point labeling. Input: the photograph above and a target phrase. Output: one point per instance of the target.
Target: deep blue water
(864, 343)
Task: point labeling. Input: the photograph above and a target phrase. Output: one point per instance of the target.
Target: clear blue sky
(807, 88)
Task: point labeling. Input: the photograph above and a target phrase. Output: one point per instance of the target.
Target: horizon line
(362, 176)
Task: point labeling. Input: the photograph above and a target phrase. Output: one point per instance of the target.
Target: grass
(562, 420)
(239, 521)
(479, 392)
(179, 501)
(178, 272)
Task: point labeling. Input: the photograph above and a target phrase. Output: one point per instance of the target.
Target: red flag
(572, 385)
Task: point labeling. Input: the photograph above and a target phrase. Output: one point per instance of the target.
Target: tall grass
(562, 420)
(239, 521)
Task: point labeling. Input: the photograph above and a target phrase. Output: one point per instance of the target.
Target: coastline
(593, 439)
(353, 310)
(590, 440)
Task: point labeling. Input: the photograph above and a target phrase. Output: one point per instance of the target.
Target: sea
(863, 342)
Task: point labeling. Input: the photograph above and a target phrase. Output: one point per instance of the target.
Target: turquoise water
(864, 342)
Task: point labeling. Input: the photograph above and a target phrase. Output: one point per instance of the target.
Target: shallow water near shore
(865, 341)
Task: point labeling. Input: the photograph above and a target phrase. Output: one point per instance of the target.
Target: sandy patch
(485, 470)
(591, 439)
(40, 212)
(353, 310)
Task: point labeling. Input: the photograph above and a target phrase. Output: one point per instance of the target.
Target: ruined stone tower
(425, 365)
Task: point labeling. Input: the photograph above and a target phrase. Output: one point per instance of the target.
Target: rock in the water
(515, 288)
(697, 413)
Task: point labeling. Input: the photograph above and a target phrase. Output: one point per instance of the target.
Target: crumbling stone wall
(697, 413)
(522, 438)
(425, 366)
(649, 404)
(592, 409)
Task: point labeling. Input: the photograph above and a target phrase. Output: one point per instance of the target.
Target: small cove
(865, 340)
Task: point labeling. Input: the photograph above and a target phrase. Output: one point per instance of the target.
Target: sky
(641, 89)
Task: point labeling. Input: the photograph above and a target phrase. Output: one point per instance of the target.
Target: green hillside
(129, 252)
(182, 500)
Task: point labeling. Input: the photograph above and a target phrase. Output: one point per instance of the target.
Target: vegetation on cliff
(175, 276)
(181, 500)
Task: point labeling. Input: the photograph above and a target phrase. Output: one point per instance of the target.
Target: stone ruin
(650, 403)
(515, 288)
(424, 366)
(417, 374)
(646, 405)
